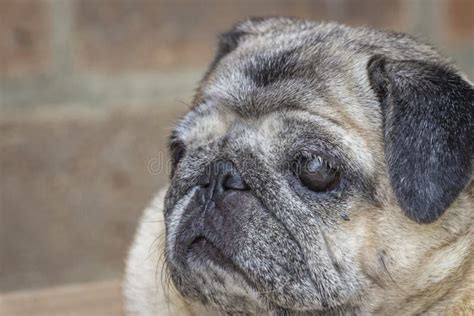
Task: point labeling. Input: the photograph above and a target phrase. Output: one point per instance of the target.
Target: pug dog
(322, 170)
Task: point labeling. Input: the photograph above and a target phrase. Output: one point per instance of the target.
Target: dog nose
(221, 176)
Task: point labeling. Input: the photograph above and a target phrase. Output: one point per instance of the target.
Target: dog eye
(177, 150)
(316, 173)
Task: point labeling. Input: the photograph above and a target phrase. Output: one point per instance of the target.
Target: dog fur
(394, 237)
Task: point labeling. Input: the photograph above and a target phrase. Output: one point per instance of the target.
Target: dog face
(318, 165)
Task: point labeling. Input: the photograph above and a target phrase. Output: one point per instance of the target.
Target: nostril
(221, 176)
(234, 181)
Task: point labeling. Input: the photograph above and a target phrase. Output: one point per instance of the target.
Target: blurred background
(89, 90)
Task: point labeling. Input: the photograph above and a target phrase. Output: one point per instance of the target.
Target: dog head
(318, 163)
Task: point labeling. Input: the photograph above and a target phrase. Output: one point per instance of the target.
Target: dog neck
(440, 282)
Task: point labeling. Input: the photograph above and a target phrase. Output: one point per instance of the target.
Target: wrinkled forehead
(263, 75)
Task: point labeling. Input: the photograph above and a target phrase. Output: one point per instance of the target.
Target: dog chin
(228, 292)
(230, 270)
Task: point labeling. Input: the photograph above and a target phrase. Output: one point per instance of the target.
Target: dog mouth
(203, 250)
(240, 248)
(210, 256)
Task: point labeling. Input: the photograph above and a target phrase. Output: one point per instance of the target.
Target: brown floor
(93, 299)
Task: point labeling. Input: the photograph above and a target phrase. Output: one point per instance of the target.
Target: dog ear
(228, 41)
(428, 112)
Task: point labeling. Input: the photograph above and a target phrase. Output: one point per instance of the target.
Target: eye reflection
(316, 173)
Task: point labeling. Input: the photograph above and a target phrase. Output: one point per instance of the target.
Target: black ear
(228, 41)
(428, 113)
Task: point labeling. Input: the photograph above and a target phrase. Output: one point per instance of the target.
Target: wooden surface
(92, 299)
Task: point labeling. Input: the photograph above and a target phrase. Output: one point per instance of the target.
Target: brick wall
(136, 51)
(88, 91)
